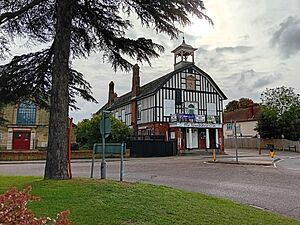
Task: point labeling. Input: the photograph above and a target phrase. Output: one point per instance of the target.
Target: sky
(253, 45)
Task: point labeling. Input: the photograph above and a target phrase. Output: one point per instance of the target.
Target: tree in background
(245, 103)
(280, 114)
(242, 103)
(74, 29)
(88, 132)
(232, 106)
(280, 98)
(2, 120)
(267, 125)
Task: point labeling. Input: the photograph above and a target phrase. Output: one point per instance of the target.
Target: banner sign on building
(195, 125)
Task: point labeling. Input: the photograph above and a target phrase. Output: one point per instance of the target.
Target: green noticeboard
(105, 125)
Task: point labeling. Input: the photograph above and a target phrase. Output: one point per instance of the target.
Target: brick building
(26, 127)
(185, 105)
(246, 119)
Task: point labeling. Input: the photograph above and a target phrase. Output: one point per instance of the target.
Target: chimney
(135, 89)
(111, 93)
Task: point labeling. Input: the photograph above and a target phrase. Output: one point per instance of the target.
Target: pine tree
(73, 29)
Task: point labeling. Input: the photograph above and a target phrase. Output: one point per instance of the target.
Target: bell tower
(183, 55)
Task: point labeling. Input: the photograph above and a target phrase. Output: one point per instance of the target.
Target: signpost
(235, 138)
(105, 129)
(110, 148)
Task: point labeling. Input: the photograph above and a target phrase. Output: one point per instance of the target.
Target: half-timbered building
(185, 105)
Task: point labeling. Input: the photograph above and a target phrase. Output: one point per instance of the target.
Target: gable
(176, 79)
(194, 79)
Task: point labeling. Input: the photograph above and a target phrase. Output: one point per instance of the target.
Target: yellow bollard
(215, 156)
(272, 153)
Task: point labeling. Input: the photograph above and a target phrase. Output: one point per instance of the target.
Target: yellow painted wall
(39, 131)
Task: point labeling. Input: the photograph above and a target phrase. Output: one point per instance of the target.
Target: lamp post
(282, 139)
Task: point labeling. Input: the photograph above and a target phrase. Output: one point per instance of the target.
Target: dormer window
(26, 114)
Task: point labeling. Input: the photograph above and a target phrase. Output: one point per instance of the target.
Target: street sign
(105, 125)
(105, 129)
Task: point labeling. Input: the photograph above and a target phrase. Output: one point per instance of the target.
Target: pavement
(245, 157)
(252, 157)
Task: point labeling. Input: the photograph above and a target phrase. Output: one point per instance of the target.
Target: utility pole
(235, 143)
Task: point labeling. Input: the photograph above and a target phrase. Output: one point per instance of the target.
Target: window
(26, 114)
(191, 109)
(169, 107)
(139, 111)
(229, 126)
(178, 97)
(211, 109)
(123, 115)
(117, 115)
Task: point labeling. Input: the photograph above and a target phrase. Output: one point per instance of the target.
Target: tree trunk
(57, 164)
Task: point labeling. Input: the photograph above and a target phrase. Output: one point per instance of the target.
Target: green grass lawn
(110, 202)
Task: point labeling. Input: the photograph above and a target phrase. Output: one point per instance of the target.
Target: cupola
(183, 55)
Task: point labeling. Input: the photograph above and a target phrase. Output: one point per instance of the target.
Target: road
(275, 189)
(290, 163)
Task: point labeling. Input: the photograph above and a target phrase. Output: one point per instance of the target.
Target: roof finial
(183, 41)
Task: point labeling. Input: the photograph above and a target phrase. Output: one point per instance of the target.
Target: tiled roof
(152, 87)
(243, 115)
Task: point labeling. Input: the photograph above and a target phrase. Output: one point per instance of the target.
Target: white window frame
(211, 109)
(229, 126)
(169, 107)
(139, 111)
(187, 108)
(123, 115)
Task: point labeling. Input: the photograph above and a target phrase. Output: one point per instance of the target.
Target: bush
(13, 210)
(74, 146)
(88, 132)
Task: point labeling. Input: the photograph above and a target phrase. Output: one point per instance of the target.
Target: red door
(202, 140)
(21, 140)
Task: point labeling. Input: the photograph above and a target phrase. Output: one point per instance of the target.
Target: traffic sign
(105, 125)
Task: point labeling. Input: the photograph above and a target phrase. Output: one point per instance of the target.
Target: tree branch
(10, 15)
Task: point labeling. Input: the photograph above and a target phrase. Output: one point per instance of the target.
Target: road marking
(275, 161)
(257, 207)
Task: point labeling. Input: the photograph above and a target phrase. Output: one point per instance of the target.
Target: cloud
(237, 49)
(248, 83)
(287, 37)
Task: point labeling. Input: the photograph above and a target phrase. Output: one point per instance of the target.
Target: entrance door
(21, 140)
(192, 138)
(212, 138)
(202, 139)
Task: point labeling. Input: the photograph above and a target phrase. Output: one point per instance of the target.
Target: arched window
(191, 109)
(26, 113)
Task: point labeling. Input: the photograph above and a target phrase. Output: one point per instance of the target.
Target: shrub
(74, 146)
(13, 210)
